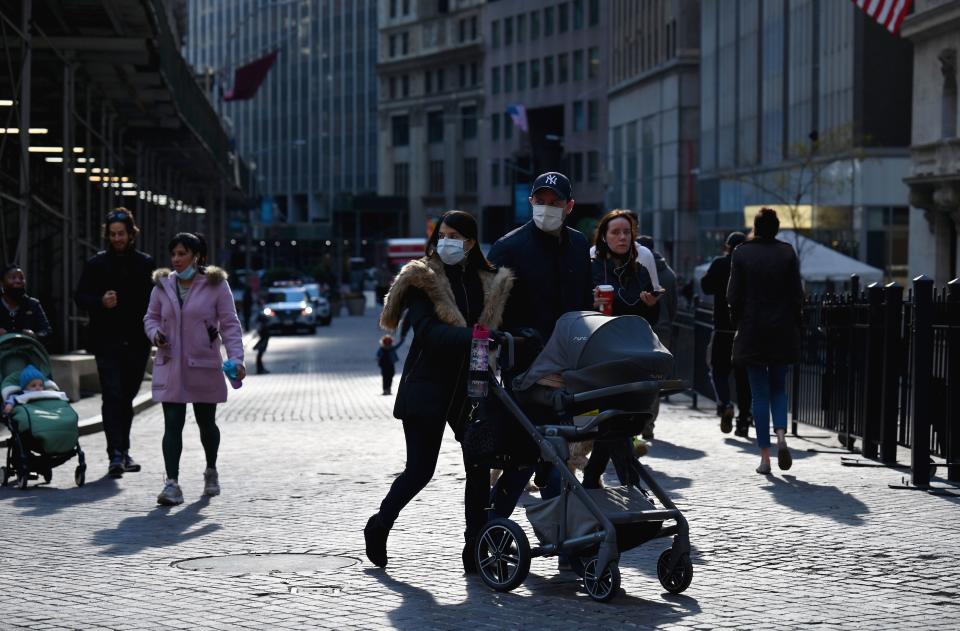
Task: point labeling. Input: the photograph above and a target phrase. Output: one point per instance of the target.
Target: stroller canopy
(17, 350)
(583, 339)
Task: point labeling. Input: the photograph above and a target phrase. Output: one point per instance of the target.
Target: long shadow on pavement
(41, 501)
(162, 526)
(666, 450)
(826, 501)
(751, 447)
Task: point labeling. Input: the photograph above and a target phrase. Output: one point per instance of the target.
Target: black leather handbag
(494, 438)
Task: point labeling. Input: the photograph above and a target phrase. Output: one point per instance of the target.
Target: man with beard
(20, 312)
(115, 289)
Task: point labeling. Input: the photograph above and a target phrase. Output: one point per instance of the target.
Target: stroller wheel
(80, 475)
(601, 586)
(678, 580)
(502, 555)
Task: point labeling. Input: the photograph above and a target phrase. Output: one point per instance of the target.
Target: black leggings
(174, 418)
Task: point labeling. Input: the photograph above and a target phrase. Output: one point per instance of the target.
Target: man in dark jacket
(720, 350)
(668, 302)
(20, 312)
(114, 289)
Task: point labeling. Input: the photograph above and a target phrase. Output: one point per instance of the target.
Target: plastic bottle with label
(477, 381)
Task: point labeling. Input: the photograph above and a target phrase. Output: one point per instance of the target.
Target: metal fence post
(874, 372)
(892, 369)
(952, 421)
(922, 376)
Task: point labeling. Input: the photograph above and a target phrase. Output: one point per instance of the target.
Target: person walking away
(765, 294)
(114, 289)
(191, 313)
(387, 360)
(551, 262)
(21, 313)
(246, 303)
(720, 350)
(445, 293)
(263, 340)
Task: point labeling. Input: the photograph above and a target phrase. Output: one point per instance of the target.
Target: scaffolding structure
(98, 109)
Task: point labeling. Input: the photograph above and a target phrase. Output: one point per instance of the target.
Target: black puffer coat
(442, 302)
(765, 294)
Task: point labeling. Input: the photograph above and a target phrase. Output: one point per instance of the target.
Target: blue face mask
(188, 273)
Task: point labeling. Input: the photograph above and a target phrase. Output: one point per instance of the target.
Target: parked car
(321, 305)
(289, 309)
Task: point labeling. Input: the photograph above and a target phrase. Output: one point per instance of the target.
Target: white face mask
(450, 251)
(548, 218)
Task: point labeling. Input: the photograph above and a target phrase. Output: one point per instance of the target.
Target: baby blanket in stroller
(49, 425)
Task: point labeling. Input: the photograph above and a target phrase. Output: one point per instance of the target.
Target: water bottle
(230, 370)
(477, 381)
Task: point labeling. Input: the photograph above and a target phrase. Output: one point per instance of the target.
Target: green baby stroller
(44, 429)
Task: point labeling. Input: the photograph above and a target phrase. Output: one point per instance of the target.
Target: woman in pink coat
(191, 310)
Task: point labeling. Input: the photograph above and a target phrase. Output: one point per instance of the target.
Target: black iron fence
(879, 366)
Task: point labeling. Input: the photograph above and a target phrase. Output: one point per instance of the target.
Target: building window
(435, 183)
(593, 115)
(440, 75)
(405, 43)
(563, 17)
(507, 30)
(495, 34)
(474, 73)
(495, 79)
(508, 78)
(563, 68)
(463, 76)
(443, 6)
(575, 166)
(521, 27)
(534, 73)
(494, 127)
(577, 14)
(594, 12)
(462, 27)
(578, 65)
(406, 7)
(593, 166)
(548, 22)
(521, 75)
(393, 87)
(473, 28)
(400, 128)
(435, 126)
(579, 120)
(507, 127)
(548, 71)
(494, 173)
(594, 70)
(392, 47)
(534, 25)
(405, 82)
(401, 178)
(948, 107)
(393, 8)
(470, 175)
(428, 81)
(468, 118)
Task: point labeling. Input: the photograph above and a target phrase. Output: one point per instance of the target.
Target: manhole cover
(266, 563)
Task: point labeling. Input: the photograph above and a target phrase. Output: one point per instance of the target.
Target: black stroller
(615, 365)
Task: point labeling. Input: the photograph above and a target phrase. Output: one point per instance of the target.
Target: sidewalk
(308, 451)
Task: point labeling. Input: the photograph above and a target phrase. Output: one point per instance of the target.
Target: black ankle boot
(375, 535)
(469, 560)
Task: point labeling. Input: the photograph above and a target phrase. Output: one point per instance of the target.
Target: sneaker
(115, 470)
(784, 459)
(211, 482)
(375, 535)
(171, 495)
(726, 420)
(129, 466)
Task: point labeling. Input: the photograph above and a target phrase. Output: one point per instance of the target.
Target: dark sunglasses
(118, 216)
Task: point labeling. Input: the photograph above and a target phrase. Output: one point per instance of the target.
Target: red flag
(889, 13)
(247, 79)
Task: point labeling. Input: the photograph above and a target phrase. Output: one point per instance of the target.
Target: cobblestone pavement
(309, 450)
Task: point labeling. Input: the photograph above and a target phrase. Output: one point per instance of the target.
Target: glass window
(470, 175)
(548, 71)
(508, 78)
(393, 87)
(563, 70)
(462, 27)
(534, 25)
(578, 65)
(406, 7)
(577, 14)
(440, 75)
(563, 17)
(534, 73)
(593, 114)
(435, 126)
(393, 8)
(578, 116)
(468, 118)
(473, 27)
(576, 166)
(507, 127)
(548, 22)
(400, 131)
(405, 82)
(507, 30)
(392, 47)
(474, 73)
(494, 173)
(428, 82)
(435, 177)
(495, 34)
(495, 79)
(594, 70)
(405, 40)
(521, 27)
(495, 127)
(463, 75)
(594, 12)
(593, 166)
(521, 75)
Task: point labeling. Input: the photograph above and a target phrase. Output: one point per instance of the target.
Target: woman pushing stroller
(446, 292)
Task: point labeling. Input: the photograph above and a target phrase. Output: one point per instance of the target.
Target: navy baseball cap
(556, 182)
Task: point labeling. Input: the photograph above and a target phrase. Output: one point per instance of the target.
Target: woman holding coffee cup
(623, 285)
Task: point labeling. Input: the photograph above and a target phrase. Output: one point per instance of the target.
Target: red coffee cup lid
(605, 287)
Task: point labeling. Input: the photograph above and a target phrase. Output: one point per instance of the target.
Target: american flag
(889, 13)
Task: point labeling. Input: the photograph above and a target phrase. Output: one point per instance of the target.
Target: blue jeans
(769, 387)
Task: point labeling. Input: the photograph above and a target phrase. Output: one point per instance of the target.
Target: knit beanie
(28, 374)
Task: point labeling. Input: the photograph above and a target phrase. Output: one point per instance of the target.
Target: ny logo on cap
(552, 179)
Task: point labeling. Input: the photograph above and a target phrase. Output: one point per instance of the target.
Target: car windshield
(293, 295)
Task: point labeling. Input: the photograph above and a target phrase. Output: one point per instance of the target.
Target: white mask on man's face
(548, 218)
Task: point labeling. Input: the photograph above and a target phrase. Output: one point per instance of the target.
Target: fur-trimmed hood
(213, 273)
(427, 275)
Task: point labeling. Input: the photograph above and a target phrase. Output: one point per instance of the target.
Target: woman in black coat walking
(765, 294)
(445, 293)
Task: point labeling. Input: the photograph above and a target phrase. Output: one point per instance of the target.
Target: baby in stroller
(33, 386)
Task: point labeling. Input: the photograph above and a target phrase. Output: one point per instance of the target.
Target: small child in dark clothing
(387, 359)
